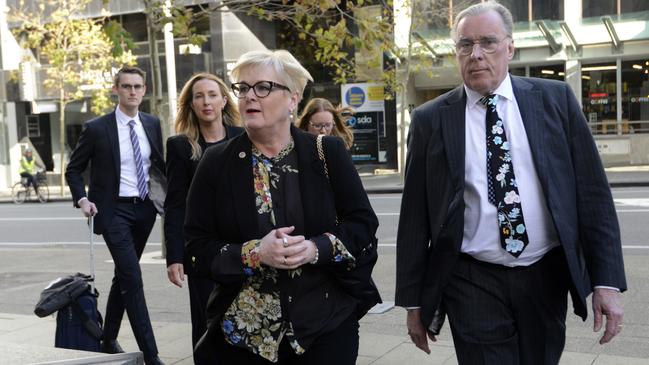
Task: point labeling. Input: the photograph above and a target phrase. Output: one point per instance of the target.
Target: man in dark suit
(124, 149)
(506, 209)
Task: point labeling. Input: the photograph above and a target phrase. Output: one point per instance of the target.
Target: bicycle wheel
(18, 193)
(43, 192)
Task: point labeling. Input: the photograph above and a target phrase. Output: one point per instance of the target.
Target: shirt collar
(123, 119)
(504, 89)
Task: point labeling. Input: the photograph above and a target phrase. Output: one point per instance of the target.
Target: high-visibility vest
(27, 166)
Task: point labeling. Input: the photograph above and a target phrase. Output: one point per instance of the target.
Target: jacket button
(290, 299)
(326, 295)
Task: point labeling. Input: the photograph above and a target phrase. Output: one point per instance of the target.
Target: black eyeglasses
(261, 88)
(136, 87)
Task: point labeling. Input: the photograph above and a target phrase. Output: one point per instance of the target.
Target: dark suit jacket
(180, 171)
(99, 145)
(571, 175)
(221, 211)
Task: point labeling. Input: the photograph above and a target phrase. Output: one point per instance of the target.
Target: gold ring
(284, 241)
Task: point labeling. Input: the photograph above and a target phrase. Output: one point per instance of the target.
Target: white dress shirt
(128, 172)
(481, 232)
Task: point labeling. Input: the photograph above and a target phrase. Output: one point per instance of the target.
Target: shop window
(547, 9)
(635, 96)
(599, 99)
(632, 6)
(555, 72)
(593, 8)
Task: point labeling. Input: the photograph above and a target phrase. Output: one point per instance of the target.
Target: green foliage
(119, 37)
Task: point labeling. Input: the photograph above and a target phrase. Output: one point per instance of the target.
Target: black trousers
(126, 237)
(339, 347)
(31, 180)
(501, 315)
(199, 291)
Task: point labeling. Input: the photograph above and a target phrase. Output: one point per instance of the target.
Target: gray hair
(289, 69)
(481, 8)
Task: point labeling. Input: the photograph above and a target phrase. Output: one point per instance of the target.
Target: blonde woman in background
(207, 116)
(321, 117)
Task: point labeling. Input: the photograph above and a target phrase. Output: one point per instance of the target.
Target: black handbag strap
(91, 326)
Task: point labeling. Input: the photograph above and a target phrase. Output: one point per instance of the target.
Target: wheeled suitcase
(79, 324)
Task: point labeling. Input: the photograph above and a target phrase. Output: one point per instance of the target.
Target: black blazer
(180, 171)
(572, 178)
(221, 211)
(99, 145)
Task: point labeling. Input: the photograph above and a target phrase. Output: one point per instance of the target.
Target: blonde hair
(292, 74)
(340, 115)
(186, 121)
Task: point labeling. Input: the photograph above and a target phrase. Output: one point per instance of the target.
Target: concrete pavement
(25, 336)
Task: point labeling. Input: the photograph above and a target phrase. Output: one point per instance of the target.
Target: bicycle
(21, 191)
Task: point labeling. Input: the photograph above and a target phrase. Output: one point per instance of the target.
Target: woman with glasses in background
(207, 116)
(321, 117)
(261, 222)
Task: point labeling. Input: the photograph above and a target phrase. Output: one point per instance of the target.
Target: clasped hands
(280, 250)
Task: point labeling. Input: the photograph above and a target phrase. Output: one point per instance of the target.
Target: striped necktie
(139, 167)
(501, 182)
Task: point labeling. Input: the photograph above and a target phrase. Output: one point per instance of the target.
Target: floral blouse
(255, 320)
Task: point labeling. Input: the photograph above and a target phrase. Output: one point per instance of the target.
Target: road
(39, 242)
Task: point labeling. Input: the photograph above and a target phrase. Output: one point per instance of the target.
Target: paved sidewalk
(37, 335)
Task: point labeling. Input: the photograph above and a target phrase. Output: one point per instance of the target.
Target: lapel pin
(242, 154)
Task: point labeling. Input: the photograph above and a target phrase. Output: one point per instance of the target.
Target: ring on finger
(285, 261)
(284, 241)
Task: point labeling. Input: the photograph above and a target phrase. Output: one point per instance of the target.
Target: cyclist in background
(28, 170)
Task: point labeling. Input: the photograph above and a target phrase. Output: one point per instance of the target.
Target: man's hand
(176, 274)
(607, 302)
(417, 331)
(88, 208)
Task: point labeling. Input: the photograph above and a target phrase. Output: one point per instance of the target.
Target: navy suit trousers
(126, 237)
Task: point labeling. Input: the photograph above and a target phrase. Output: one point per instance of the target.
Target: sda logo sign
(355, 97)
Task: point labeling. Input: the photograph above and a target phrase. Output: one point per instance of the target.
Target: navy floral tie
(501, 182)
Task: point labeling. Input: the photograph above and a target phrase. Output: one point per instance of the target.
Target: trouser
(199, 291)
(30, 179)
(126, 237)
(508, 315)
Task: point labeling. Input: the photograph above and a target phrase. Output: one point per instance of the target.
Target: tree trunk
(156, 84)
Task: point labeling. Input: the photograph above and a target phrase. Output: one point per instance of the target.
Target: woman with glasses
(207, 116)
(321, 117)
(267, 225)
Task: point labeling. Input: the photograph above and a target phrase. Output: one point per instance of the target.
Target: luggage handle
(91, 226)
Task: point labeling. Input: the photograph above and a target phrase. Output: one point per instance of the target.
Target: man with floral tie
(506, 209)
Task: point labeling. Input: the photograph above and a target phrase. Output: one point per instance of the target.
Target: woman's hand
(176, 274)
(280, 250)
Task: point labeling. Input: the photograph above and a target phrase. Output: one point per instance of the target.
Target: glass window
(635, 96)
(517, 71)
(555, 72)
(631, 6)
(592, 8)
(519, 9)
(547, 9)
(599, 97)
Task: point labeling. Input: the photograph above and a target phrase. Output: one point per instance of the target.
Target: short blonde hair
(290, 71)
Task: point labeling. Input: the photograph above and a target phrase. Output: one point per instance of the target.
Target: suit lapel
(111, 132)
(530, 105)
(453, 132)
(243, 193)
